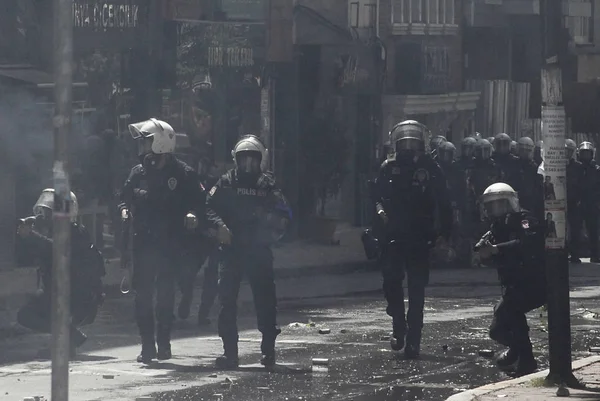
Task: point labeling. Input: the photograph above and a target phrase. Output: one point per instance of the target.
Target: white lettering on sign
(230, 57)
(103, 16)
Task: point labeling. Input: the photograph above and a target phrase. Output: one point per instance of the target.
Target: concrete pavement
(531, 387)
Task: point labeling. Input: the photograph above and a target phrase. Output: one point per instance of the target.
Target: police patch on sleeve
(212, 191)
(172, 183)
(525, 224)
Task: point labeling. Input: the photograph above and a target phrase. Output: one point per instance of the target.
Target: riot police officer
(412, 197)
(163, 197)
(574, 176)
(590, 185)
(434, 143)
(513, 148)
(245, 206)
(516, 243)
(87, 270)
(527, 182)
(506, 162)
(468, 215)
(485, 171)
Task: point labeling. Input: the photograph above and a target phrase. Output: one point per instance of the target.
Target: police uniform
(415, 202)
(574, 177)
(160, 200)
(589, 196)
(241, 202)
(517, 240)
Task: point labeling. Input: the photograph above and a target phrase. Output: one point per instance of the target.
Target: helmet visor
(445, 155)
(525, 152)
(248, 162)
(586, 155)
(502, 147)
(496, 208)
(413, 144)
(467, 150)
(145, 145)
(483, 153)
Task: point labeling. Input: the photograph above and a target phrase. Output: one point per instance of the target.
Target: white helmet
(162, 135)
(251, 143)
(46, 202)
(498, 200)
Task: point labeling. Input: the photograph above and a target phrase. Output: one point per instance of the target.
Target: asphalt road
(361, 365)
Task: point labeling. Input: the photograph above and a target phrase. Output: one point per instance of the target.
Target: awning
(28, 75)
(430, 104)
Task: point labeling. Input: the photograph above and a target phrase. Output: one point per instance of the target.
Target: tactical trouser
(257, 263)
(589, 216)
(36, 315)
(156, 267)
(509, 325)
(574, 233)
(412, 262)
(210, 286)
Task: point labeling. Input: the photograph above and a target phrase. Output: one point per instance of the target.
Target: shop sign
(105, 15)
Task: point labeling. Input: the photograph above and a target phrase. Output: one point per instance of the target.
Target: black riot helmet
(502, 144)
(570, 148)
(491, 140)
(483, 149)
(513, 147)
(436, 141)
(586, 152)
(446, 152)
(477, 136)
(525, 148)
(410, 138)
(467, 147)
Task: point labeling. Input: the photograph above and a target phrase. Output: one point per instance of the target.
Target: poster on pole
(556, 228)
(555, 175)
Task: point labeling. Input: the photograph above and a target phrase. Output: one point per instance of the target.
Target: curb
(471, 395)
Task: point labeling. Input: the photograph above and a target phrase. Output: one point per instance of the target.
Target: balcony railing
(420, 17)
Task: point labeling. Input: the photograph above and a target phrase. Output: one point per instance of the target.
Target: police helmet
(446, 152)
(513, 147)
(498, 200)
(586, 151)
(477, 135)
(467, 147)
(411, 136)
(250, 154)
(570, 148)
(483, 149)
(436, 141)
(155, 136)
(525, 148)
(45, 205)
(502, 143)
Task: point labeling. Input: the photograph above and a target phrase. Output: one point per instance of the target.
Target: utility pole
(555, 167)
(61, 249)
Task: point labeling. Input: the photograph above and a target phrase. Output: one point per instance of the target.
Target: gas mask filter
(248, 162)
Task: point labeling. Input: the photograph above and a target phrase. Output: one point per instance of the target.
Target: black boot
(507, 358)
(526, 363)
(148, 351)
(203, 319)
(77, 340)
(183, 311)
(267, 348)
(163, 339)
(229, 360)
(412, 349)
(399, 331)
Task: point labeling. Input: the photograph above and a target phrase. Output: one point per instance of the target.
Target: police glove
(191, 221)
(224, 235)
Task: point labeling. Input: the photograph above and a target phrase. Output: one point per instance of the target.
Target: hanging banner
(555, 175)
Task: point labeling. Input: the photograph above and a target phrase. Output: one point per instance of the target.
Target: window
(433, 12)
(579, 29)
(362, 14)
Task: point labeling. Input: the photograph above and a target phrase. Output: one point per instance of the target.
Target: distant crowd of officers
(488, 201)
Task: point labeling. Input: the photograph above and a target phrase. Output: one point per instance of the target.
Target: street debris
(594, 349)
(384, 338)
(108, 376)
(324, 331)
(486, 353)
(445, 347)
(145, 399)
(343, 331)
(213, 375)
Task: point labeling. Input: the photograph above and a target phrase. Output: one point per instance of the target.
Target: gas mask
(407, 149)
(586, 155)
(152, 161)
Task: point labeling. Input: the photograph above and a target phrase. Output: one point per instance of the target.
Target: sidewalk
(531, 388)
